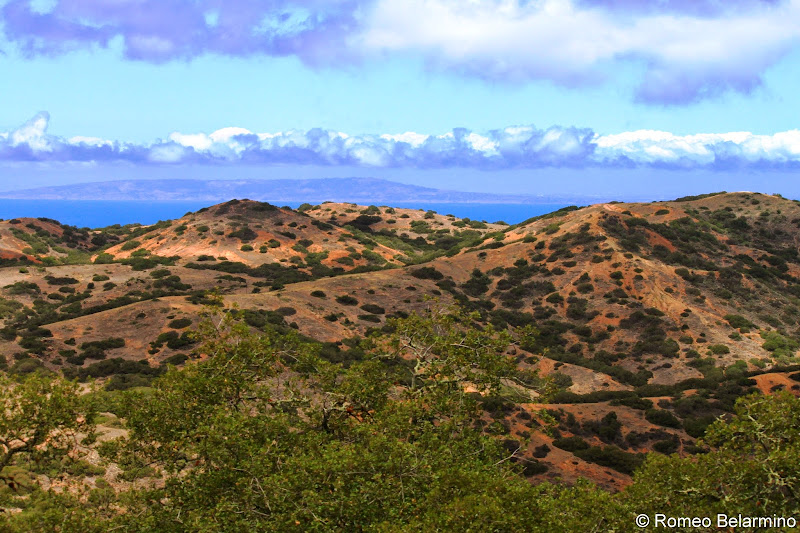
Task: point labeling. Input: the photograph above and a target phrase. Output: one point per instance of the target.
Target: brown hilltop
(25, 238)
(663, 302)
(249, 232)
(256, 233)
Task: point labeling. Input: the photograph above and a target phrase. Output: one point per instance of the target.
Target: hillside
(652, 318)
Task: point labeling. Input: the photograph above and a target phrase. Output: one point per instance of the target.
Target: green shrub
(374, 309)
(554, 298)
(666, 446)
(180, 323)
(243, 234)
(660, 417)
(66, 280)
(612, 457)
(346, 299)
(427, 273)
(571, 444)
(779, 345)
(23, 287)
(738, 321)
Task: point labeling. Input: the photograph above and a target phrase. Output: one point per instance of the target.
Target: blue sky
(611, 97)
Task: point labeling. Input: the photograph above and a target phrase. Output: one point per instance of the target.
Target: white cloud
(510, 147)
(92, 141)
(32, 133)
(198, 141)
(686, 56)
(651, 147)
(167, 153)
(409, 137)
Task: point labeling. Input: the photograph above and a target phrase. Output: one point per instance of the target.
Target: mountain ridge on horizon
(356, 190)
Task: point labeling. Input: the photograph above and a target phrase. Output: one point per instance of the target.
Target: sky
(619, 98)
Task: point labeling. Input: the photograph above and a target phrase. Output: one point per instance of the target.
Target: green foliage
(266, 434)
(374, 309)
(335, 440)
(661, 417)
(346, 299)
(427, 273)
(23, 287)
(738, 321)
(38, 418)
(779, 345)
(130, 245)
(180, 323)
(243, 234)
(751, 469)
(718, 349)
(612, 457)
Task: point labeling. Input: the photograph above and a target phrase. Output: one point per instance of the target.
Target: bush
(634, 402)
(660, 417)
(738, 321)
(667, 446)
(554, 298)
(180, 323)
(318, 294)
(612, 457)
(779, 345)
(374, 309)
(696, 426)
(346, 299)
(28, 365)
(243, 234)
(585, 288)
(23, 287)
(427, 273)
(571, 444)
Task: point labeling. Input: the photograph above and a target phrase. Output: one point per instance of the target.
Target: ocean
(98, 214)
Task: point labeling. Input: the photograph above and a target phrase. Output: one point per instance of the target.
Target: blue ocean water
(98, 214)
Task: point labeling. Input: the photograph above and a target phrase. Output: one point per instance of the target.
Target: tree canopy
(261, 433)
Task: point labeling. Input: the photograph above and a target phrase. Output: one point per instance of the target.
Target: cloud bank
(687, 49)
(513, 147)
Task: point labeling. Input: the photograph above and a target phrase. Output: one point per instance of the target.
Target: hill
(651, 318)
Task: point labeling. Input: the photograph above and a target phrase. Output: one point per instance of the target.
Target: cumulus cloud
(686, 54)
(709, 150)
(688, 49)
(513, 147)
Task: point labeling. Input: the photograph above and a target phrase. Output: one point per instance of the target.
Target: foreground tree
(752, 467)
(265, 435)
(39, 416)
(262, 434)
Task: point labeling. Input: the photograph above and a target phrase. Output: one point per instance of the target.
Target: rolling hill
(651, 318)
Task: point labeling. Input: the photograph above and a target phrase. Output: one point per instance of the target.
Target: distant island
(357, 190)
